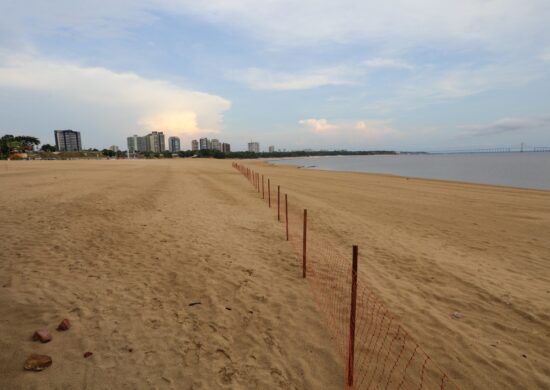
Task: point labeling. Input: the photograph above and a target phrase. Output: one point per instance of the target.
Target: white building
(114, 148)
(216, 145)
(136, 144)
(155, 142)
(254, 147)
(271, 149)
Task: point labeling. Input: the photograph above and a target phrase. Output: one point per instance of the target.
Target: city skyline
(426, 76)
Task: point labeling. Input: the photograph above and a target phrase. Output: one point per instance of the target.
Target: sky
(316, 74)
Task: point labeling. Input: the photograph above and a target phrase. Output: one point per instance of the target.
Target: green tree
(9, 143)
(26, 142)
(48, 148)
(108, 153)
(4, 147)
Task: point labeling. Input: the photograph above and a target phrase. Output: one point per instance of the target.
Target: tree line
(296, 153)
(12, 144)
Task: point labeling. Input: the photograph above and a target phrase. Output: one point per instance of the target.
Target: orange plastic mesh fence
(385, 355)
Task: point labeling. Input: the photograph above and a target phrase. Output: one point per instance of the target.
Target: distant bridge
(510, 149)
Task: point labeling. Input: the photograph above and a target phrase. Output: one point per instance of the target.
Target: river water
(526, 170)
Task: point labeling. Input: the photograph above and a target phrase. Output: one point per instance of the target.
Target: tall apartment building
(226, 148)
(254, 147)
(174, 144)
(216, 145)
(136, 144)
(155, 142)
(68, 140)
(194, 145)
(271, 149)
(204, 144)
(132, 144)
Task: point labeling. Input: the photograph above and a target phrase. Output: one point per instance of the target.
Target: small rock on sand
(43, 335)
(64, 325)
(88, 354)
(456, 315)
(37, 362)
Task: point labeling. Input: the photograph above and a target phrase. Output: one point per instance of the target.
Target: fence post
(258, 182)
(286, 215)
(351, 352)
(278, 203)
(263, 188)
(305, 247)
(269, 192)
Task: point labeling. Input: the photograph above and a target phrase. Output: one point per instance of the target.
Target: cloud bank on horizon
(316, 74)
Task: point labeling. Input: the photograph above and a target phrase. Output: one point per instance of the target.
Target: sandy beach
(122, 248)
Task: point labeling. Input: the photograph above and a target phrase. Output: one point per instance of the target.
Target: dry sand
(122, 247)
(431, 248)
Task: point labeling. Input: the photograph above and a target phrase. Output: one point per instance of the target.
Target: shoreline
(302, 167)
(389, 175)
(435, 247)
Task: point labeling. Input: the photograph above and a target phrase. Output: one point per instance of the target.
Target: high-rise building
(271, 149)
(132, 143)
(194, 145)
(226, 148)
(174, 144)
(142, 144)
(216, 145)
(136, 144)
(254, 147)
(155, 142)
(68, 140)
(114, 148)
(204, 144)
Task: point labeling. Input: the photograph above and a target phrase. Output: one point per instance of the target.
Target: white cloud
(431, 85)
(263, 79)
(319, 125)
(345, 74)
(387, 63)
(399, 23)
(287, 22)
(509, 125)
(126, 101)
(363, 129)
(376, 129)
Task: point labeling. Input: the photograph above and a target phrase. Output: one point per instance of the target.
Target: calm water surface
(527, 170)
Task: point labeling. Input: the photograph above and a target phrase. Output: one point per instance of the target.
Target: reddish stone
(43, 335)
(88, 354)
(37, 362)
(64, 325)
